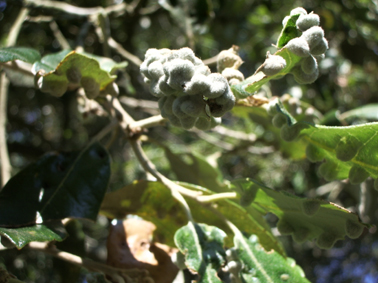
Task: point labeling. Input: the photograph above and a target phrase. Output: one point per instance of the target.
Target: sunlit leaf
(262, 266)
(70, 69)
(22, 236)
(28, 55)
(289, 31)
(154, 202)
(252, 84)
(348, 151)
(367, 112)
(202, 246)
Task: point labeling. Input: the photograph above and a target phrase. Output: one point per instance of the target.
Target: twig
(4, 157)
(59, 36)
(65, 7)
(216, 197)
(127, 55)
(19, 66)
(148, 122)
(176, 189)
(114, 273)
(4, 82)
(235, 134)
(211, 61)
(133, 102)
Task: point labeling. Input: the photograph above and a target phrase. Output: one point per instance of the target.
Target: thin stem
(176, 189)
(19, 66)
(216, 197)
(59, 35)
(4, 83)
(4, 157)
(153, 121)
(73, 10)
(126, 54)
(115, 273)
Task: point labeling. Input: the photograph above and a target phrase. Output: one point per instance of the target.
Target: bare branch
(59, 36)
(117, 274)
(4, 82)
(127, 55)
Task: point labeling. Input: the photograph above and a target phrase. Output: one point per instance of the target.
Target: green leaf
(202, 246)
(153, 202)
(262, 266)
(22, 236)
(57, 186)
(289, 31)
(347, 150)
(304, 219)
(28, 55)
(49, 62)
(70, 69)
(367, 112)
(195, 169)
(249, 86)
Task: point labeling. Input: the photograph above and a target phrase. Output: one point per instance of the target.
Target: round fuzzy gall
(230, 73)
(73, 75)
(309, 65)
(273, 65)
(298, 11)
(305, 22)
(303, 78)
(313, 36)
(320, 48)
(299, 47)
(353, 230)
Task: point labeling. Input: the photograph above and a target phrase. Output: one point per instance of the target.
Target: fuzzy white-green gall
(311, 45)
(189, 94)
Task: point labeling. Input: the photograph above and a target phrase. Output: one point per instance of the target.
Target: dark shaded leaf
(57, 186)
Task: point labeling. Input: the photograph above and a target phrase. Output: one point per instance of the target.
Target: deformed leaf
(289, 31)
(304, 219)
(70, 69)
(28, 55)
(153, 202)
(22, 236)
(202, 246)
(49, 62)
(57, 186)
(254, 83)
(347, 149)
(262, 266)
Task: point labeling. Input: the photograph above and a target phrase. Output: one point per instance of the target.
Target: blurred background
(38, 122)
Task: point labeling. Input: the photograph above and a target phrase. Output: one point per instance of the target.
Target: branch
(127, 55)
(216, 197)
(153, 121)
(176, 190)
(59, 36)
(4, 82)
(117, 274)
(70, 9)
